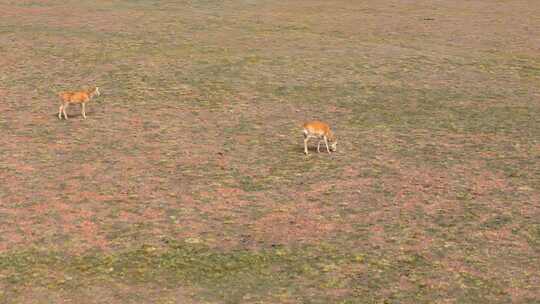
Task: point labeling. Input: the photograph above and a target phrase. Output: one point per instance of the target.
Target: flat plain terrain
(187, 182)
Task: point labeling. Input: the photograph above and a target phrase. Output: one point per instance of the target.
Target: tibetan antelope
(80, 97)
(321, 131)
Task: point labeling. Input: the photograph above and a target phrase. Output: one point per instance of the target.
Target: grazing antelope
(81, 97)
(321, 131)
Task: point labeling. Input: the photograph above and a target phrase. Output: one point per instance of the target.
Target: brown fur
(79, 97)
(321, 131)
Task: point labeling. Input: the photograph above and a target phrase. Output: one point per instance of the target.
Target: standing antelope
(81, 97)
(321, 131)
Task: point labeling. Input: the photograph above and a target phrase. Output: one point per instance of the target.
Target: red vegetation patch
(285, 228)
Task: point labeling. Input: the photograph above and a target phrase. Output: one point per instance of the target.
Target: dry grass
(187, 182)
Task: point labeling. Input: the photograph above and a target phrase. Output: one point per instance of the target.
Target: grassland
(187, 182)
